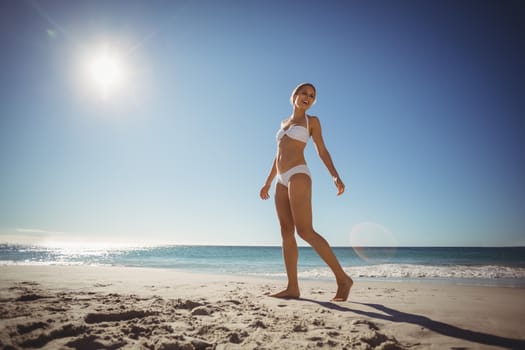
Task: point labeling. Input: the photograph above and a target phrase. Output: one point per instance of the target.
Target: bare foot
(343, 290)
(287, 294)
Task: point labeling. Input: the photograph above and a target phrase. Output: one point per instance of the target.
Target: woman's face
(305, 97)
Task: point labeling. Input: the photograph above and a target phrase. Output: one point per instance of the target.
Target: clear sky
(422, 105)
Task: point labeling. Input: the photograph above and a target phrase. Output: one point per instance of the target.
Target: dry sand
(68, 307)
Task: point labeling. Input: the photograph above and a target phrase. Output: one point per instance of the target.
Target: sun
(106, 72)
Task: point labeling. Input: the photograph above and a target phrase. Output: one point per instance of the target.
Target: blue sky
(421, 102)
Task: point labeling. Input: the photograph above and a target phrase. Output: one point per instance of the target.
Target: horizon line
(51, 244)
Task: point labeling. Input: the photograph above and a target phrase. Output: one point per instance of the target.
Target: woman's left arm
(315, 127)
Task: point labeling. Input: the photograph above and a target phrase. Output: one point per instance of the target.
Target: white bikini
(299, 133)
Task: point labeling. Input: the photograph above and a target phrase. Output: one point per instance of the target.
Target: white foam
(409, 271)
(429, 271)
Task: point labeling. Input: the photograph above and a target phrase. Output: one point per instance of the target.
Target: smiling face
(304, 96)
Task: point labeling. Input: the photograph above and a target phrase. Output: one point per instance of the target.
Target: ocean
(460, 265)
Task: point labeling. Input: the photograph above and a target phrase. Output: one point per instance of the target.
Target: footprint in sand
(31, 297)
(68, 330)
(27, 328)
(116, 317)
(93, 342)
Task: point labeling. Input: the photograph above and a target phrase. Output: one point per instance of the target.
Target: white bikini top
(296, 132)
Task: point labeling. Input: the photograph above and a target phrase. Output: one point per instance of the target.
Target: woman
(293, 191)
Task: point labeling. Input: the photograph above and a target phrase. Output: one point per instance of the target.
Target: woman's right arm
(264, 194)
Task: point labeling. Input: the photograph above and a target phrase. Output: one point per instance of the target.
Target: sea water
(488, 266)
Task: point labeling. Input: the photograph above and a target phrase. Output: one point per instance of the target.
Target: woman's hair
(298, 87)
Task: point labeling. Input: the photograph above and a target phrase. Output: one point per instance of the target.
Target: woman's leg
(290, 251)
(300, 196)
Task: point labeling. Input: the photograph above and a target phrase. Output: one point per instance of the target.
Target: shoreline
(75, 306)
(504, 282)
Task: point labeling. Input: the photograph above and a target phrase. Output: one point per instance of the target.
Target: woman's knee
(287, 231)
(306, 233)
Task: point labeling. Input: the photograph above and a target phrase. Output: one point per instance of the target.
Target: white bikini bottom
(284, 178)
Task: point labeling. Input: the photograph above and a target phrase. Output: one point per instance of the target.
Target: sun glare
(106, 71)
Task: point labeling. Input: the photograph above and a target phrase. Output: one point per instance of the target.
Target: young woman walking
(293, 191)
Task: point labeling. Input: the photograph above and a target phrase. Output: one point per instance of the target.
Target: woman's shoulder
(314, 119)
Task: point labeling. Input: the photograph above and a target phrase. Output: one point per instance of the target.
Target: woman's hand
(264, 194)
(339, 184)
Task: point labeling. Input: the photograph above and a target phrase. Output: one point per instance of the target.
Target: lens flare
(373, 242)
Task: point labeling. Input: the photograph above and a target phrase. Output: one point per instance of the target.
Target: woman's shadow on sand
(389, 314)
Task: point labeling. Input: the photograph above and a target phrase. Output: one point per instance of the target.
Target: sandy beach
(80, 307)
